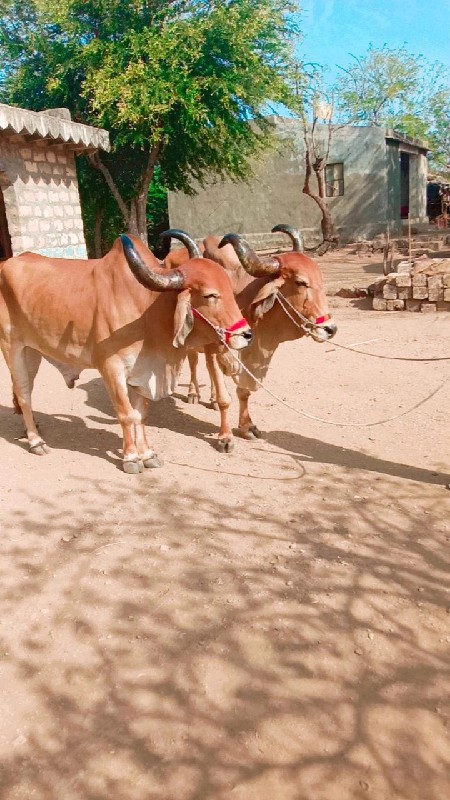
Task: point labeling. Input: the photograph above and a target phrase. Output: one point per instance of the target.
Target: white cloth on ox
(257, 359)
(153, 377)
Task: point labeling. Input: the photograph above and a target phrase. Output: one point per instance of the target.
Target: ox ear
(265, 298)
(184, 318)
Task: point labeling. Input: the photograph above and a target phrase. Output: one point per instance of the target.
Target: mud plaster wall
(370, 202)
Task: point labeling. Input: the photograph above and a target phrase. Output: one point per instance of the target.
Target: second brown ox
(272, 292)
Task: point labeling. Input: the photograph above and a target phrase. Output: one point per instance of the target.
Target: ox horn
(255, 266)
(156, 281)
(294, 235)
(174, 233)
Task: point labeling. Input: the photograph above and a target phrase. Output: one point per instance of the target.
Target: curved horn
(193, 249)
(294, 234)
(255, 266)
(156, 281)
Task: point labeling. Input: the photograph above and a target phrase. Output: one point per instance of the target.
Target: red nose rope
(319, 320)
(224, 334)
(306, 325)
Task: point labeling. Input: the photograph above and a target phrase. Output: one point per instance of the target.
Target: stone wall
(421, 287)
(40, 190)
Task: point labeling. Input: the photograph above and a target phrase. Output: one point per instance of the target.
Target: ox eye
(301, 282)
(211, 295)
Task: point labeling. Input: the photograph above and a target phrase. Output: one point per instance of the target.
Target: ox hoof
(153, 462)
(251, 434)
(39, 449)
(132, 467)
(193, 399)
(225, 445)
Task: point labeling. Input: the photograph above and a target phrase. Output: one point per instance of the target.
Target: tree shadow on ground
(69, 432)
(63, 432)
(267, 653)
(324, 453)
(167, 414)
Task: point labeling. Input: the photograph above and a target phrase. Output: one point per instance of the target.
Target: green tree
(394, 88)
(181, 86)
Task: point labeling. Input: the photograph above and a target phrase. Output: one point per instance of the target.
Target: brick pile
(424, 286)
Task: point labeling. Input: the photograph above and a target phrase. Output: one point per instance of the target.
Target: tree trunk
(96, 163)
(329, 235)
(135, 218)
(138, 215)
(98, 250)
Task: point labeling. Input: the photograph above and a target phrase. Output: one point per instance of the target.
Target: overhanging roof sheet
(46, 125)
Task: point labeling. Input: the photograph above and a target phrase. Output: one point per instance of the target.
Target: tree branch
(96, 163)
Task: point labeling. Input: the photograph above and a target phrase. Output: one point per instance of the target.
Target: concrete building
(39, 200)
(374, 178)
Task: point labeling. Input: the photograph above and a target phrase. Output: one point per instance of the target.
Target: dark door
(404, 185)
(5, 239)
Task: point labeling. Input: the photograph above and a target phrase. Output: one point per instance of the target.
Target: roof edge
(57, 128)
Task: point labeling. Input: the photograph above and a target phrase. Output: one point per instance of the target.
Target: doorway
(404, 185)
(5, 239)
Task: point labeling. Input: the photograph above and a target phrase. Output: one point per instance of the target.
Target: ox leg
(114, 376)
(148, 456)
(33, 359)
(247, 429)
(24, 364)
(194, 389)
(225, 439)
(213, 396)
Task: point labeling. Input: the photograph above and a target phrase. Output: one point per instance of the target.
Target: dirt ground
(272, 624)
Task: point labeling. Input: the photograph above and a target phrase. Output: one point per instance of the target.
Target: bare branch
(96, 162)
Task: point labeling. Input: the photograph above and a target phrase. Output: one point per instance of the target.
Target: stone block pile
(423, 286)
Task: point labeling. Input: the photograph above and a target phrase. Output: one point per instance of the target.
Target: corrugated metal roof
(55, 125)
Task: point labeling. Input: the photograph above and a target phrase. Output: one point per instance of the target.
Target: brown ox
(258, 284)
(120, 314)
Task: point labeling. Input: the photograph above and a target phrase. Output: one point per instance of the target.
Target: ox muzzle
(322, 329)
(236, 336)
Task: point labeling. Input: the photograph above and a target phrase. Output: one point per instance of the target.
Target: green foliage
(397, 89)
(186, 76)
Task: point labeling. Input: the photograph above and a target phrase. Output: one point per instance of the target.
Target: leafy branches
(397, 89)
(175, 82)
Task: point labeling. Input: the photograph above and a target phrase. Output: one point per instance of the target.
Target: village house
(39, 200)
(374, 177)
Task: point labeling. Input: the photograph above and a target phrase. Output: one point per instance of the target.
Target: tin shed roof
(54, 125)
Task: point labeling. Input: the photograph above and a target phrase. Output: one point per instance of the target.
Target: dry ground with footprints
(272, 624)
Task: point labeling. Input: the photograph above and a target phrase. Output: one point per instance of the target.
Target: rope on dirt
(328, 421)
(283, 301)
(388, 358)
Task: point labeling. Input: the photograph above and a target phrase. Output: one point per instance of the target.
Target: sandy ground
(268, 625)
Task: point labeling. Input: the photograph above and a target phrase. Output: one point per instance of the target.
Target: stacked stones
(422, 287)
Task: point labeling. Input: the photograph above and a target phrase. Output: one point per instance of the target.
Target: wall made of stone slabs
(40, 189)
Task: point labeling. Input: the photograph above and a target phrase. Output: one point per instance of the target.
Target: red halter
(223, 333)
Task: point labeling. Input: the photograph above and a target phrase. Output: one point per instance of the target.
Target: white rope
(283, 300)
(389, 358)
(298, 411)
(328, 421)
(320, 419)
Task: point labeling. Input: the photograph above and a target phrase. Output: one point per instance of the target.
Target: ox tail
(17, 408)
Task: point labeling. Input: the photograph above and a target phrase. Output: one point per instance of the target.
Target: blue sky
(334, 28)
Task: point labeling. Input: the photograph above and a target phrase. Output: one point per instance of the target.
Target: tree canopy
(398, 89)
(176, 83)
